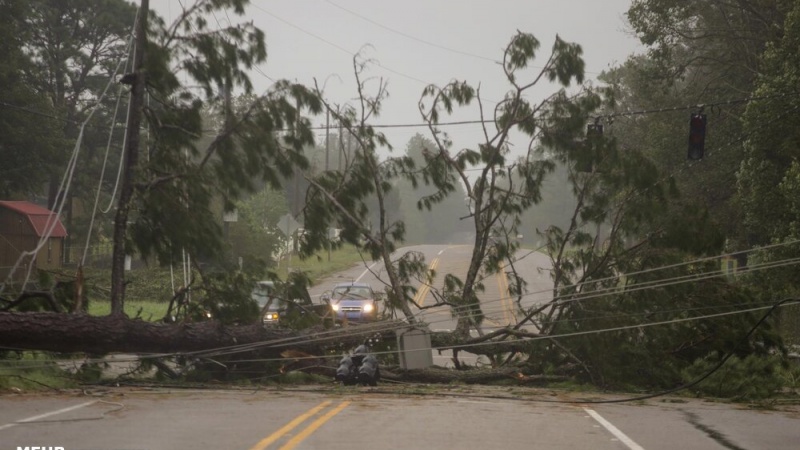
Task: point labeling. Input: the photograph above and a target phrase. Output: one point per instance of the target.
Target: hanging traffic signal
(697, 136)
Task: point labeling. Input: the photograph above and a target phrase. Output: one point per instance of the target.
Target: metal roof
(40, 218)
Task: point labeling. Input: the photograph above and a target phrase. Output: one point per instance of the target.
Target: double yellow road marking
(505, 298)
(299, 437)
(423, 291)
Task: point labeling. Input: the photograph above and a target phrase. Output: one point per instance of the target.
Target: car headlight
(335, 306)
(369, 307)
(271, 316)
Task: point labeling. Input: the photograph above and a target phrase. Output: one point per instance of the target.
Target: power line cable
(639, 326)
(373, 330)
(694, 107)
(234, 350)
(617, 278)
(334, 335)
(684, 386)
(108, 149)
(336, 46)
(476, 121)
(320, 337)
(413, 38)
(581, 320)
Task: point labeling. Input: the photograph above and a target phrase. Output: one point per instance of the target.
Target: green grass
(146, 310)
(147, 294)
(31, 371)
(318, 266)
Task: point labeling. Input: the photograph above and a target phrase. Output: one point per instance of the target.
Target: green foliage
(186, 175)
(679, 38)
(256, 234)
(684, 65)
(318, 265)
(502, 191)
(773, 142)
(641, 216)
(75, 47)
(226, 296)
(654, 356)
(30, 138)
(345, 198)
(753, 377)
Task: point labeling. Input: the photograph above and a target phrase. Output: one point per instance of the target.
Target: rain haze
(415, 43)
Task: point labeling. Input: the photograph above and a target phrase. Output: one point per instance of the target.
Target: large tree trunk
(71, 333)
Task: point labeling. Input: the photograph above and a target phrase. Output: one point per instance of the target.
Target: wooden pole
(131, 161)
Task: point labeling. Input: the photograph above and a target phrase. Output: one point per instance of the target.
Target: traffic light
(697, 136)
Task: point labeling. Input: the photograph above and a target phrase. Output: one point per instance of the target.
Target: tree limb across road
(109, 334)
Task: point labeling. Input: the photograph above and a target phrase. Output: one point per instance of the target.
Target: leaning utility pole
(131, 155)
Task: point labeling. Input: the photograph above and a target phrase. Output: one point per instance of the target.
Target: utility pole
(228, 216)
(131, 161)
(327, 136)
(327, 166)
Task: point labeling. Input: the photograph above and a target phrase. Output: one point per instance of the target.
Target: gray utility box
(414, 346)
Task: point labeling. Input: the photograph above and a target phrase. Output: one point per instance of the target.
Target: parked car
(352, 302)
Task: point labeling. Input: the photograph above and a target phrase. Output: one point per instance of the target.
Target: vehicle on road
(353, 301)
(277, 301)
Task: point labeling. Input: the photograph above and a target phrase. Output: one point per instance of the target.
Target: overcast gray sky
(416, 42)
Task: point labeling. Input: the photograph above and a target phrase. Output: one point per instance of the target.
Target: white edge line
(614, 430)
(368, 269)
(42, 416)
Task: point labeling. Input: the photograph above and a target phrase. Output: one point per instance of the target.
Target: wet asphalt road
(382, 418)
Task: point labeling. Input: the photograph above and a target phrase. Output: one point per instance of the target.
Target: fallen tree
(71, 333)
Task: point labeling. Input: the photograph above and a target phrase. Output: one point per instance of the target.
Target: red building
(23, 228)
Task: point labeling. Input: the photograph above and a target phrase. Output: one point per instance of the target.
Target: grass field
(143, 309)
(318, 266)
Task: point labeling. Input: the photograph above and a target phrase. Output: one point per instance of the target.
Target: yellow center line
(313, 427)
(497, 321)
(423, 291)
(503, 306)
(505, 297)
(512, 310)
(289, 426)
